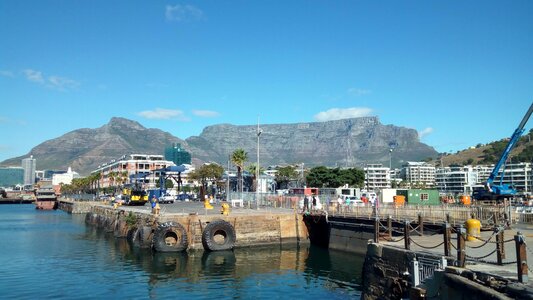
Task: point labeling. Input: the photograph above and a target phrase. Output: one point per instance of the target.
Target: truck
(498, 192)
(134, 194)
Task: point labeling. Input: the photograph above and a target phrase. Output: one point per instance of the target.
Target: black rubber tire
(218, 262)
(170, 237)
(130, 236)
(216, 228)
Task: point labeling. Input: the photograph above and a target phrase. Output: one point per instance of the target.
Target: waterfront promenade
(477, 259)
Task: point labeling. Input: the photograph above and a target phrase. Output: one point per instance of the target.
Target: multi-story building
(11, 176)
(132, 168)
(456, 179)
(517, 174)
(29, 164)
(377, 177)
(64, 178)
(419, 174)
(177, 155)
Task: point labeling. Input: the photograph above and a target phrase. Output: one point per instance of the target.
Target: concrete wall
(252, 230)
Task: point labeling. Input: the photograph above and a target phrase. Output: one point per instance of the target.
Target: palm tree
(238, 158)
(252, 168)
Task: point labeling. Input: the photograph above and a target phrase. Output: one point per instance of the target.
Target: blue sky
(459, 72)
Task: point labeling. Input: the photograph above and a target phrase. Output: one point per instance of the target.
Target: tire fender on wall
(170, 237)
(216, 230)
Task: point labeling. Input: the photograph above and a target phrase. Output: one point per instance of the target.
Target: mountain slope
(85, 149)
(348, 142)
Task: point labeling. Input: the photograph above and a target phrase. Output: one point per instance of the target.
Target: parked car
(353, 201)
(167, 198)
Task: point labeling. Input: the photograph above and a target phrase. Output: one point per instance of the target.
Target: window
(424, 196)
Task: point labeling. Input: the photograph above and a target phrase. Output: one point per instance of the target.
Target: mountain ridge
(346, 142)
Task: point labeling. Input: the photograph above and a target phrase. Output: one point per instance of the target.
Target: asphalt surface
(196, 207)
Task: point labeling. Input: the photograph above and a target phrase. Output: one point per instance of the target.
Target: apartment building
(377, 177)
(419, 174)
(132, 168)
(456, 179)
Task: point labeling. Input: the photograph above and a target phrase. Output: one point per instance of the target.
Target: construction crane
(499, 192)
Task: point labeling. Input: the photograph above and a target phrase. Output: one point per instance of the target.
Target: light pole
(390, 159)
(257, 167)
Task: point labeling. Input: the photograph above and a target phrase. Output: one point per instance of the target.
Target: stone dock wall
(251, 230)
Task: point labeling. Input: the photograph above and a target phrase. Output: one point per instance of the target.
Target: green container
(420, 197)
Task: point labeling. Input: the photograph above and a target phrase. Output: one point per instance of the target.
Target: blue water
(54, 255)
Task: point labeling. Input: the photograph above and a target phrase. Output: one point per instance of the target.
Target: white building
(64, 178)
(456, 179)
(29, 164)
(377, 177)
(132, 168)
(419, 173)
(517, 174)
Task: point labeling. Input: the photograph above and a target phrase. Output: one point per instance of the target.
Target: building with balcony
(377, 177)
(418, 174)
(456, 179)
(132, 168)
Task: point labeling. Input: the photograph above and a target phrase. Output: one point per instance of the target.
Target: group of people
(311, 202)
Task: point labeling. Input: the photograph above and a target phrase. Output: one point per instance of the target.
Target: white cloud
(342, 113)
(6, 73)
(356, 92)
(54, 82)
(62, 83)
(164, 114)
(183, 13)
(206, 113)
(423, 133)
(34, 76)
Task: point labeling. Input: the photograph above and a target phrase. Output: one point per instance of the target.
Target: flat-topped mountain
(347, 142)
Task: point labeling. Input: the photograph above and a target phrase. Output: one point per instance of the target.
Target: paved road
(195, 207)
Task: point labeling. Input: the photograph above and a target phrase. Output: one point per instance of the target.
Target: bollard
(500, 250)
(461, 255)
(448, 218)
(521, 257)
(420, 225)
(389, 226)
(447, 239)
(407, 242)
(376, 230)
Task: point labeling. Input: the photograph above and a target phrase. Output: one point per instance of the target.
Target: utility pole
(257, 167)
(227, 179)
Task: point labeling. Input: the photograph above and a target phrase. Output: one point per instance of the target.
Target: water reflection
(302, 268)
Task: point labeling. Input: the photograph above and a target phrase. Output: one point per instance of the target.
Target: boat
(45, 198)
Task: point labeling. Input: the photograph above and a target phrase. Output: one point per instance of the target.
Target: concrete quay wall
(387, 275)
(255, 229)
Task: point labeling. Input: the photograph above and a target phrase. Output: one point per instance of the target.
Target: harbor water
(54, 255)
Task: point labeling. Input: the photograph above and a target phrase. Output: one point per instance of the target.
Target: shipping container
(420, 197)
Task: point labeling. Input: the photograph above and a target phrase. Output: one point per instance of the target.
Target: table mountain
(342, 143)
(347, 142)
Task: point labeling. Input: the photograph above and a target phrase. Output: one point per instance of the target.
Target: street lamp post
(390, 159)
(257, 167)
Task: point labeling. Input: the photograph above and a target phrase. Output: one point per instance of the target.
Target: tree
(334, 178)
(238, 158)
(206, 173)
(284, 175)
(252, 168)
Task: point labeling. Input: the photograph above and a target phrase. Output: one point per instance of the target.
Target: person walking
(306, 204)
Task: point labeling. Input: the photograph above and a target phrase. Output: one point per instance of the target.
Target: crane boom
(500, 190)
